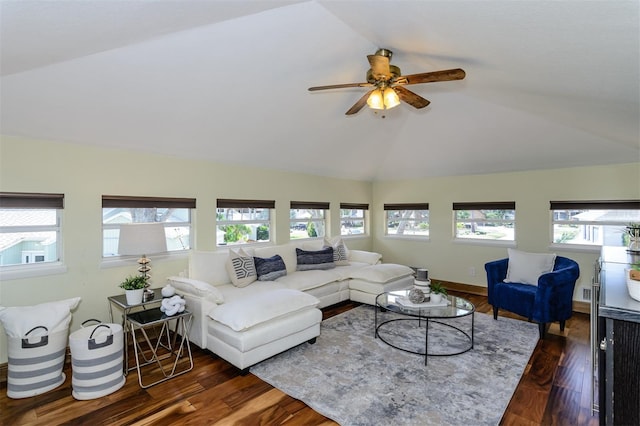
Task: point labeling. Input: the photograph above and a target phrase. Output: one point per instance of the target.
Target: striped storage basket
(97, 355)
(36, 362)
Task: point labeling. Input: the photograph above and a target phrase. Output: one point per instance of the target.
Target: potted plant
(634, 271)
(437, 291)
(633, 231)
(134, 288)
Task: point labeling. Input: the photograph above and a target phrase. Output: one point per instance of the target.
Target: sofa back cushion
(270, 268)
(209, 266)
(315, 259)
(286, 251)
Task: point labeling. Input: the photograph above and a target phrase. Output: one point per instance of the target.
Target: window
(307, 219)
(593, 223)
(30, 231)
(407, 220)
(243, 221)
(175, 213)
(487, 221)
(353, 219)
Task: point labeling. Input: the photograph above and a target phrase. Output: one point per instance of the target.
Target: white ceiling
(549, 83)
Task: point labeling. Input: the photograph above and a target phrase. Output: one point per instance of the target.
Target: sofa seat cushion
(305, 280)
(381, 273)
(377, 288)
(345, 272)
(231, 293)
(265, 333)
(255, 309)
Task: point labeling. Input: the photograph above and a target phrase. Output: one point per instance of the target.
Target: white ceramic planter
(134, 297)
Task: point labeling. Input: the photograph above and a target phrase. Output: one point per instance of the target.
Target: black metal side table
(120, 302)
(155, 354)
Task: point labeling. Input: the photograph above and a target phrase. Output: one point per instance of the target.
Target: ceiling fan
(388, 84)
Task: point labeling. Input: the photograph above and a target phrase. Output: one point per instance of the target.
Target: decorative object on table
(37, 338)
(437, 291)
(168, 291)
(142, 238)
(416, 295)
(422, 274)
(172, 305)
(96, 360)
(134, 287)
(633, 281)
(633, 231)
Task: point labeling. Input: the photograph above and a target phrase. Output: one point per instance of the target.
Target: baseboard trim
(463, 288)
(582, 307)
(578, 306)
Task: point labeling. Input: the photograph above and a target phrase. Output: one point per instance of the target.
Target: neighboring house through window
(307, 219)
(30, 228)
(592, 223)
(353, 219)
(485, 221)
(174, 213)
(243, 221)
(407, 220)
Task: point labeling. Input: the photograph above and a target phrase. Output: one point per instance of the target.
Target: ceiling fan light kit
(388, 84)
(379, 99)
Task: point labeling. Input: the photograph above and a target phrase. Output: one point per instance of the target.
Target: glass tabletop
(398, 301)
(121, 299)
(152, 316)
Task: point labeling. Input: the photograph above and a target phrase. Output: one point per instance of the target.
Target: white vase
(134, 297)
(436, 297)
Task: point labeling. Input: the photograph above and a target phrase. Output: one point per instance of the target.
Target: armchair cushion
(526, 268)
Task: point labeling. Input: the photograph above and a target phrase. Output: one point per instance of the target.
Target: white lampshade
(141, 239)
(391, 98)
(375, 100)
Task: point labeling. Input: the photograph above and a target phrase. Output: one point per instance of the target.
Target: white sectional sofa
(245, 321)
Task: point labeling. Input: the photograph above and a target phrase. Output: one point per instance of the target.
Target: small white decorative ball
(168, 291)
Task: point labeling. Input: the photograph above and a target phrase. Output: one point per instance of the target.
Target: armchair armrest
(496, 273)
(554, 297)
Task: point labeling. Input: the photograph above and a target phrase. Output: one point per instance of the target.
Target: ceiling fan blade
(379, 67)
(339, 86)
(358, 105)
(411, 98)
(429, 77)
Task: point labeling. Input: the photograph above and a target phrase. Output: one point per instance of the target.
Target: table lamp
(142, 239)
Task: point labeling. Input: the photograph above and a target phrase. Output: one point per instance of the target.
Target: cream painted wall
(85, 173)
(532, 191)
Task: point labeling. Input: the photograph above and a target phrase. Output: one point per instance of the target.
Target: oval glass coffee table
(454, 338)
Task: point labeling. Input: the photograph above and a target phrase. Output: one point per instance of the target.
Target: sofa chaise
(245, 318)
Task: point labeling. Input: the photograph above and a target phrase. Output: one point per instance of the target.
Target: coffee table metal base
(426, 321)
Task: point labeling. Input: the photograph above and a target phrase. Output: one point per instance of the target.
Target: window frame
(365, 218)
(404, 207)
(146, 202)
(479, 206)
(227, 203)
(324, 207)
(589, 205)
(34, 201)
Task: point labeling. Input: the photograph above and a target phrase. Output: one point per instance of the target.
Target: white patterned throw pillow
(241, 268)
(340, 253)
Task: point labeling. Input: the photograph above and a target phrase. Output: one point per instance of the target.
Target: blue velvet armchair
(550, 301)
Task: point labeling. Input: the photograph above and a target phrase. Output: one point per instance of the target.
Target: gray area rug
(355, 379)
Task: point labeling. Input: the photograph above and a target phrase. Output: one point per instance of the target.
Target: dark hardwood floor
(554, 390)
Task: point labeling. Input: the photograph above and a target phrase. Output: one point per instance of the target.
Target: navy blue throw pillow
(319, 259)
(270, 268)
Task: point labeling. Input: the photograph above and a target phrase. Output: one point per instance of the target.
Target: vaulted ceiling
(549, 83)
